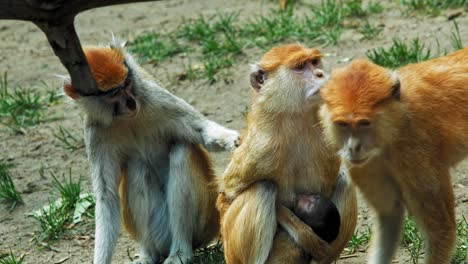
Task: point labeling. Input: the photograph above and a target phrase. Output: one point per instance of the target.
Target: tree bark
(55, 18)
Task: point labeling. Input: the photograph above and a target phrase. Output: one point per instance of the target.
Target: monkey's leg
(285, 251)
(249, 225)
(386, 234)
(182, 207)
(105, 171)
(434, 212)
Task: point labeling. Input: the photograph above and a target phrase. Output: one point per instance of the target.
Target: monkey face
(115, 97)
(362, 111)
(289, 89)
(312, 76)
(122, 101)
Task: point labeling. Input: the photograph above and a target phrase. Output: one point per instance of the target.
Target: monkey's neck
(284, 127)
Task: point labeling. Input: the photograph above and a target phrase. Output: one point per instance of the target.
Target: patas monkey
(281, 155)
(399, 133)
(147, 140)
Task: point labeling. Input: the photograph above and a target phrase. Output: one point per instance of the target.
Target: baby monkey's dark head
(115, 97)
(318, 212)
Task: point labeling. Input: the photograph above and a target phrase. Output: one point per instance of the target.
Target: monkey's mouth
(358, 162)
(312, 89)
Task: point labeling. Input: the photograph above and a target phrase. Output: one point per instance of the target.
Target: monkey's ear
(257, 76)
(396, 87)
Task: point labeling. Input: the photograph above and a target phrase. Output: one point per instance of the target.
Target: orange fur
(420, 136)
(107, 66)
(200, 164)
(287, 55)
(364, 89)
(285, 148)
(126, 215)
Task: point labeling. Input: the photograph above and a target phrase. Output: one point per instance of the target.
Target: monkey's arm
(303, 235)
(344, 198)
(194, 125)
(105, 169)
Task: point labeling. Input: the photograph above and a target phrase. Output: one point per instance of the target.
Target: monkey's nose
(355, 148)
(131, 104)
(319, 73)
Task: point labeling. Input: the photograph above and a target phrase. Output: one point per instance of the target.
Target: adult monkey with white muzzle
(283, 155)
(148, 142)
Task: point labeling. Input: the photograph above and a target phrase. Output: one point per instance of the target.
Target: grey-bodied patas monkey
(150, 144)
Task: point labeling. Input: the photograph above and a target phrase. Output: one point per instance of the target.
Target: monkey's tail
(250, 224)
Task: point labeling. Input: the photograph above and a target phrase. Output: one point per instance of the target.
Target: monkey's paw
(218, 138)
(142, 261)
(177, 259)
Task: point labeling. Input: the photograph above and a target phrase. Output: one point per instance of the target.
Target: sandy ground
(26, 55)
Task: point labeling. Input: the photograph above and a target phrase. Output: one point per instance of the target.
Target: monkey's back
(435, 94)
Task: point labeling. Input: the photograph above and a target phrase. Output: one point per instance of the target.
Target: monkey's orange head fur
(353, 92)
(107, 67)
(291, 56)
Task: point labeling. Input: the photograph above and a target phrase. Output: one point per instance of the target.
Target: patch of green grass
(153, 48)
(265, 31)
(69, 189)
(222, 38)
(328, 14)
(11, 259)
(209, 254)
(56, 217)
(68, 140)
(354, 8)
(461, 251)
(358, 241)
(9, 196)
(412, 240)
(431, 6)
(400, 54)
(368, 31)
(53, 220)
(375, 7)
(455, 38)
(219, 40)
(20, 108)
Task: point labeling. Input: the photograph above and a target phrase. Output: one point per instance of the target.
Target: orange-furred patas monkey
(150, 144)
(282, 155)
(398, 133)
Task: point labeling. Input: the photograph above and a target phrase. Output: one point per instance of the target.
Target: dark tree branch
(55, 18)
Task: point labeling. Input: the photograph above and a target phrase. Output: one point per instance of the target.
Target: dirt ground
(26, 55)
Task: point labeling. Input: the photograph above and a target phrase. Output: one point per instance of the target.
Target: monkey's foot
(218, 138)
(143, 261)
(177, 259)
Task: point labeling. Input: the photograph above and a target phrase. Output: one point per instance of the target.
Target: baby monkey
(320, 213)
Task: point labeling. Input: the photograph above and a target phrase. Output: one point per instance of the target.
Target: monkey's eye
(300, 67)
(315, 62)
(113, 92)
(341, 124)
(364, 123)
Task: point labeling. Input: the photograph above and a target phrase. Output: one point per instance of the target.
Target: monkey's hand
(218, 138)
(303, 235)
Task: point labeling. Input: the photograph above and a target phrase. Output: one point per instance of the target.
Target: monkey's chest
(301, 178)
